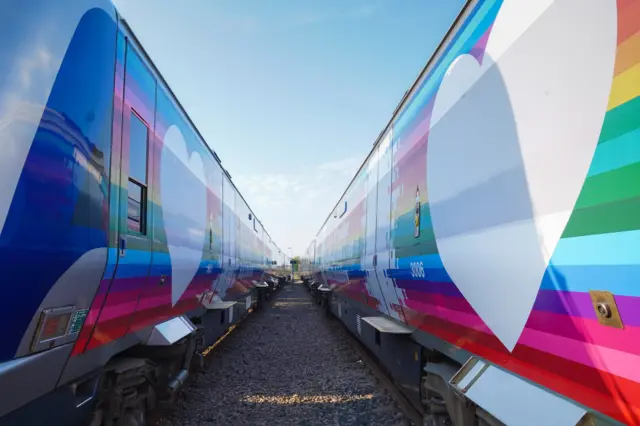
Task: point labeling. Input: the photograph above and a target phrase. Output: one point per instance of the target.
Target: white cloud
(293, 206)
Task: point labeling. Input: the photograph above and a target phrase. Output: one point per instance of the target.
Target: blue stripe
(429, 261)
(481, 18)
(430, 274)
(616, 153)
(137, 263)
(621, 280)
(135, 257)
(579, 264)
(620, 248)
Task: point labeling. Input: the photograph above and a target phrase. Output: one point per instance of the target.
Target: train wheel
(136, 417)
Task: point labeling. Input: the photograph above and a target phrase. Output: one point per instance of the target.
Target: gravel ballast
(286, 364)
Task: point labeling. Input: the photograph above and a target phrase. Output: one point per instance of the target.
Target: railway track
(159, 416)
(414, 416)
(286, 365)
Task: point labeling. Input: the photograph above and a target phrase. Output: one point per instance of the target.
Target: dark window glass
(137, 186)
(135, 207)
(138, 150)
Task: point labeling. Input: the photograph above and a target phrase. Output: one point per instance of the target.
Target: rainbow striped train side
(487, 248)
(125, 248)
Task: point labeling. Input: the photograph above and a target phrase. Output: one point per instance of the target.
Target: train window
(138, 150)
(135, 207)
(137, 185)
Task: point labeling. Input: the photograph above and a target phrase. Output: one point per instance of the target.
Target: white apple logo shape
(510, 145)
(184, 209)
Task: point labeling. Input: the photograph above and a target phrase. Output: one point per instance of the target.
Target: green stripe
(604, 218)
(417, 250)
(405, 244)
(621, 120)
(404, 225)
(612, 186)
(610, 217)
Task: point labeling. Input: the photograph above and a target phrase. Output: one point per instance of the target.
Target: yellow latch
(606, 309)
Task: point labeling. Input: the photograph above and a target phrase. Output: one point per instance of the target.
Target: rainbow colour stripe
(116, 216)
(130, 297)
(562, 347)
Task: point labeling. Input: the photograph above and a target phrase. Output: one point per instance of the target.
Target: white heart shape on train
(184, 209)
(510, 145)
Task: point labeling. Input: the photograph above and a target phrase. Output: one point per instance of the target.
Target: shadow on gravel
(286, 364)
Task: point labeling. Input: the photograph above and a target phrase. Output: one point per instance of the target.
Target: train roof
(403, 101)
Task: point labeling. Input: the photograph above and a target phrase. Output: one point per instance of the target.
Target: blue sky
(291, 94)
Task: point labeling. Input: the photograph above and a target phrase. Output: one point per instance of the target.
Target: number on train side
(417, 269)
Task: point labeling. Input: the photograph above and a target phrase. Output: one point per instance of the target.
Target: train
(126, 250)
(486, 251)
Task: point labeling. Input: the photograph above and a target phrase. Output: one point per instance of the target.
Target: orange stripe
(628, 54)
(628, 19)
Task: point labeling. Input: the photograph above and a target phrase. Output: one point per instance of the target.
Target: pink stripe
(161, 130)
(438, 299)
(482, 41)
(119, 85)
(586, 330)
(610, 360)
(134, 102)
(117, 311)
(466, 320)
(117, 296)
(152, 302)
(575, 328)
(416, 135)
(606, 359)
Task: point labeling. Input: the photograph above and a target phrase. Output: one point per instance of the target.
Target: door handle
(123, 246)
(375, 260)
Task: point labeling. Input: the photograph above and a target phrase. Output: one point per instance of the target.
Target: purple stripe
(133, 284)
(448, 289)
(570, 303)
(565, 303)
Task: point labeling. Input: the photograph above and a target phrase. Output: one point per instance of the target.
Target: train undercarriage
(447, 385)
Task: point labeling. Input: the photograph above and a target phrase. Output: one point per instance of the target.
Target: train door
(234, 237)
(226, 279)
(370, 258)
(386, 259)
(312, 257)
(133, 188)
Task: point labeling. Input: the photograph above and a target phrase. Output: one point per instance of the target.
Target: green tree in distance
(295, 262)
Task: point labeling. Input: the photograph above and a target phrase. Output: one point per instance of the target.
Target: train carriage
(491, 259)
(124, 244)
